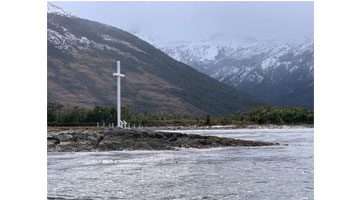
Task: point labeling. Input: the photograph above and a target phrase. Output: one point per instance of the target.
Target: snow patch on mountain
(67, 41)
(269, 62)
(51, 8)
(112, 39)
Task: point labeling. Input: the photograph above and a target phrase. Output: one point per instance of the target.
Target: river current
(272, 172)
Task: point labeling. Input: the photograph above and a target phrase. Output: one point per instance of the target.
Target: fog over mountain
(194, 21)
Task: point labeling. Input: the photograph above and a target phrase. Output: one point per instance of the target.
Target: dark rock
(121, 139)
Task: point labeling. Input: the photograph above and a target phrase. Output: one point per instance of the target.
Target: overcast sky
(201, 20)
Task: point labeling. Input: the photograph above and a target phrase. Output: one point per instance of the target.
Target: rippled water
(278, 172)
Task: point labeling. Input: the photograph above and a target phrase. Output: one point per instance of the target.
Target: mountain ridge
(82, 56)
(280, 72)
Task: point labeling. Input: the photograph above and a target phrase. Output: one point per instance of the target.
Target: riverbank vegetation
(58, 115)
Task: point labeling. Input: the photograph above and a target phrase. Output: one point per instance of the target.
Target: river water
(276, 172)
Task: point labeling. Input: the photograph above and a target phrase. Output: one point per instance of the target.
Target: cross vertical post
(118, 76)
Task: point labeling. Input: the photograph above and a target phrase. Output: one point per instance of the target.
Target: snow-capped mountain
(52, 9)
(81, 58)
(280, 72)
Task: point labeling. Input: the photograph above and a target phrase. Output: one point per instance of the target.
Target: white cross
(118, 75)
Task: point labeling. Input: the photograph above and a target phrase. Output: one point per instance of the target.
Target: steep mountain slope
(82, 56)
(279, 72)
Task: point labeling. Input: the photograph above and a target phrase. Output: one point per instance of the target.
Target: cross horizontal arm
(117, 74)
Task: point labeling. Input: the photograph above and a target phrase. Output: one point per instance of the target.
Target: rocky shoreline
(127, 139)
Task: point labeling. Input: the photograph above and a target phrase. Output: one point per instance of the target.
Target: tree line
(58, 115)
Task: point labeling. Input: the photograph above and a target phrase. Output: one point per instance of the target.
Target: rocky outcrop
(117, 140)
